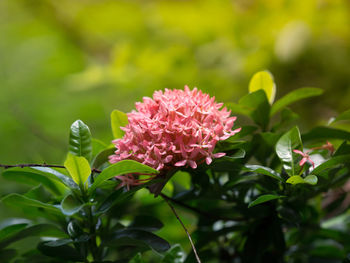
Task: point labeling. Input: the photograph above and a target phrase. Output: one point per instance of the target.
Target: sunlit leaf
(263, 80)
(79, 169)
(263, 199)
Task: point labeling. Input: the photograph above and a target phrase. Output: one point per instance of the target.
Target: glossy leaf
(52, 173)
(296, 179)
(284, 149)
(80, 140)
(294, 96)
(70, 205)
(122, 167)
(118, 119)
(174, 255)
(136, 237)
(79, 169)
(18, 200)
(102, 157)
(263, 170)
(263, 80)
(31, 178)
(334, 161)
(263, 199)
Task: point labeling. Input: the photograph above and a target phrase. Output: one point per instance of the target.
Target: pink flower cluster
(175, 128)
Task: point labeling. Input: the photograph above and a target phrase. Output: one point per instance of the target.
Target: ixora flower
(175, 128)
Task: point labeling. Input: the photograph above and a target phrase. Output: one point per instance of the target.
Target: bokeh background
(66, 60)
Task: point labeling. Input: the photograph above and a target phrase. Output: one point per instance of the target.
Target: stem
(7, 166)
(188, 234)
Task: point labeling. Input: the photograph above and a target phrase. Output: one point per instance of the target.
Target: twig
(188, 234)
(7, 166)
(198, 211)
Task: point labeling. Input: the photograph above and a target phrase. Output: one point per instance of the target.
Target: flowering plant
(256, 194)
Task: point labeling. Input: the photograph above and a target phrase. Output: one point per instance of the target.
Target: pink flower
(306, 157)
(175, 128)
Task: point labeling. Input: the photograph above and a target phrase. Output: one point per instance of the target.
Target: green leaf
(263, 199)
(263, 170)
(97, 146)
(344, 116)
(80, 140)
(102, 157)
(122, 167)
(70, 205)
(174, 255)
(296, 179)
(64, 252)
(118, 119)
(147, 223)
(11, 230)
(21, 176)
(263, 80)
(18, 200)
(119, 196)
(79, 169)
(258, 106)
(40, 230)
(324, 133)
(294, 96)
(284, 149)
(140, 238)
(334, 161)
(7, 255)
(137, 259)
(55, 175)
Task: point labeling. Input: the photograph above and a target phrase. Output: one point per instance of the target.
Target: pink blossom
(306, 157)
(175, 128)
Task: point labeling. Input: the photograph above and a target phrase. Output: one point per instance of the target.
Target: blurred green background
(66, 60)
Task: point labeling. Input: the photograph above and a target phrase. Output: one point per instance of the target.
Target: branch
(178, 218)
(7, 166)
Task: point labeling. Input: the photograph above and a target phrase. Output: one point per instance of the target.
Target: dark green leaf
(102, 157)
(122, 167)
(80, 140)
(64, 252)
(264, 199)
(148, 223)
(70, 205)
(284, 149)
(136, 237)
(258, 106)
(334, 161)
(263, 170)
(7, 255)
(294, 96)
(324, 133)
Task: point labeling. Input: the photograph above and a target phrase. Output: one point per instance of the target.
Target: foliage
(262, 202)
